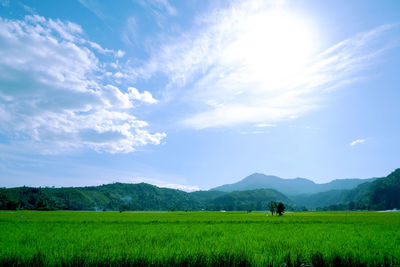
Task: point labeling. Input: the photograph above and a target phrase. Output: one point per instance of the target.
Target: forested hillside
(115, 196)
(142, 196)
(379, 194)
(247, 200)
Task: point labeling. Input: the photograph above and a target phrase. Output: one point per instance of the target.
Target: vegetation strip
(63, 238)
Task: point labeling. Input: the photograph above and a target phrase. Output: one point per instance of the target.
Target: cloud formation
(358, 141)
(56, 93)
(187, 188)
(255, 62)
(164, 184)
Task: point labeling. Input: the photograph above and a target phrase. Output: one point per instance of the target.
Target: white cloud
(118, 75)
(120, 53)
(264, 125)
(145, 97)
(53, 92)
(358, 141)
(255, 62)
(29, 9)
(187, 188)
(164, 184)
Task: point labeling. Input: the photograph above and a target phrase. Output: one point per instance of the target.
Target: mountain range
(296, 186)
(252, 193)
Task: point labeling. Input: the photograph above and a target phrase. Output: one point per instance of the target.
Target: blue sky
(195, 94)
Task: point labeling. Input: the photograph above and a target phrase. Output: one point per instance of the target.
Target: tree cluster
(276, 207)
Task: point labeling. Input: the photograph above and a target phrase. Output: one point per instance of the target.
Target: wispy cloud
(358, 141)
(29, 9)
(163, 5)
(256, 63)
(159, 7)
(95, 7)
(55, 93)
(129, 35)
(264, 125)
(164, 184)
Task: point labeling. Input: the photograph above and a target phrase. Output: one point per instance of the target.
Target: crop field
(62, 238)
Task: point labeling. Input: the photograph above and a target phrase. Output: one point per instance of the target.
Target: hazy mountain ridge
(295, 186)
(106, 197)
(378, 194)
(257, 199)
(119, 196)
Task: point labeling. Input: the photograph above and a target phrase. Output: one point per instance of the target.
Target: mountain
(379, 194)
(296, 186)
(322, 199)
(117, 196)
(373, 194)
(206, 195)
(334, 197)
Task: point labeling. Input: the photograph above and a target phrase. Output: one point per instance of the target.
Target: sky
(195, 94)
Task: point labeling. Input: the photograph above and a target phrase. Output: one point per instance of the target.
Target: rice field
(64, 238)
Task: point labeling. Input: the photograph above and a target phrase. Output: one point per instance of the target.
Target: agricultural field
(67, 238)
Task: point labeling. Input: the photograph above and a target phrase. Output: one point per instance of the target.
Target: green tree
(272, 207)
(280, 208)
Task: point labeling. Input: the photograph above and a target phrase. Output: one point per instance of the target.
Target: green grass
(64, 238)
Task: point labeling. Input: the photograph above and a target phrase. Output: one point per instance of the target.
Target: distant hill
(296, 186)
(379, 194)
(119, 196)
(322, 199)
(373, 194)
(115, 196)
(335, 197)
(206, 195)
(244, 200)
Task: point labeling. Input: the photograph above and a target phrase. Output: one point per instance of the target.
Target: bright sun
(272, 46)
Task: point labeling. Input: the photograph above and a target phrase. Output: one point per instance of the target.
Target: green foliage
(381, 194)
(272, 205)
(280, 208)
(125, 197)
(275, 207)
(107, 197)
(67, 238)
(385, 193)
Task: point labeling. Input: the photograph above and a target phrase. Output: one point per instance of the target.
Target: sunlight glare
(274, 47)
